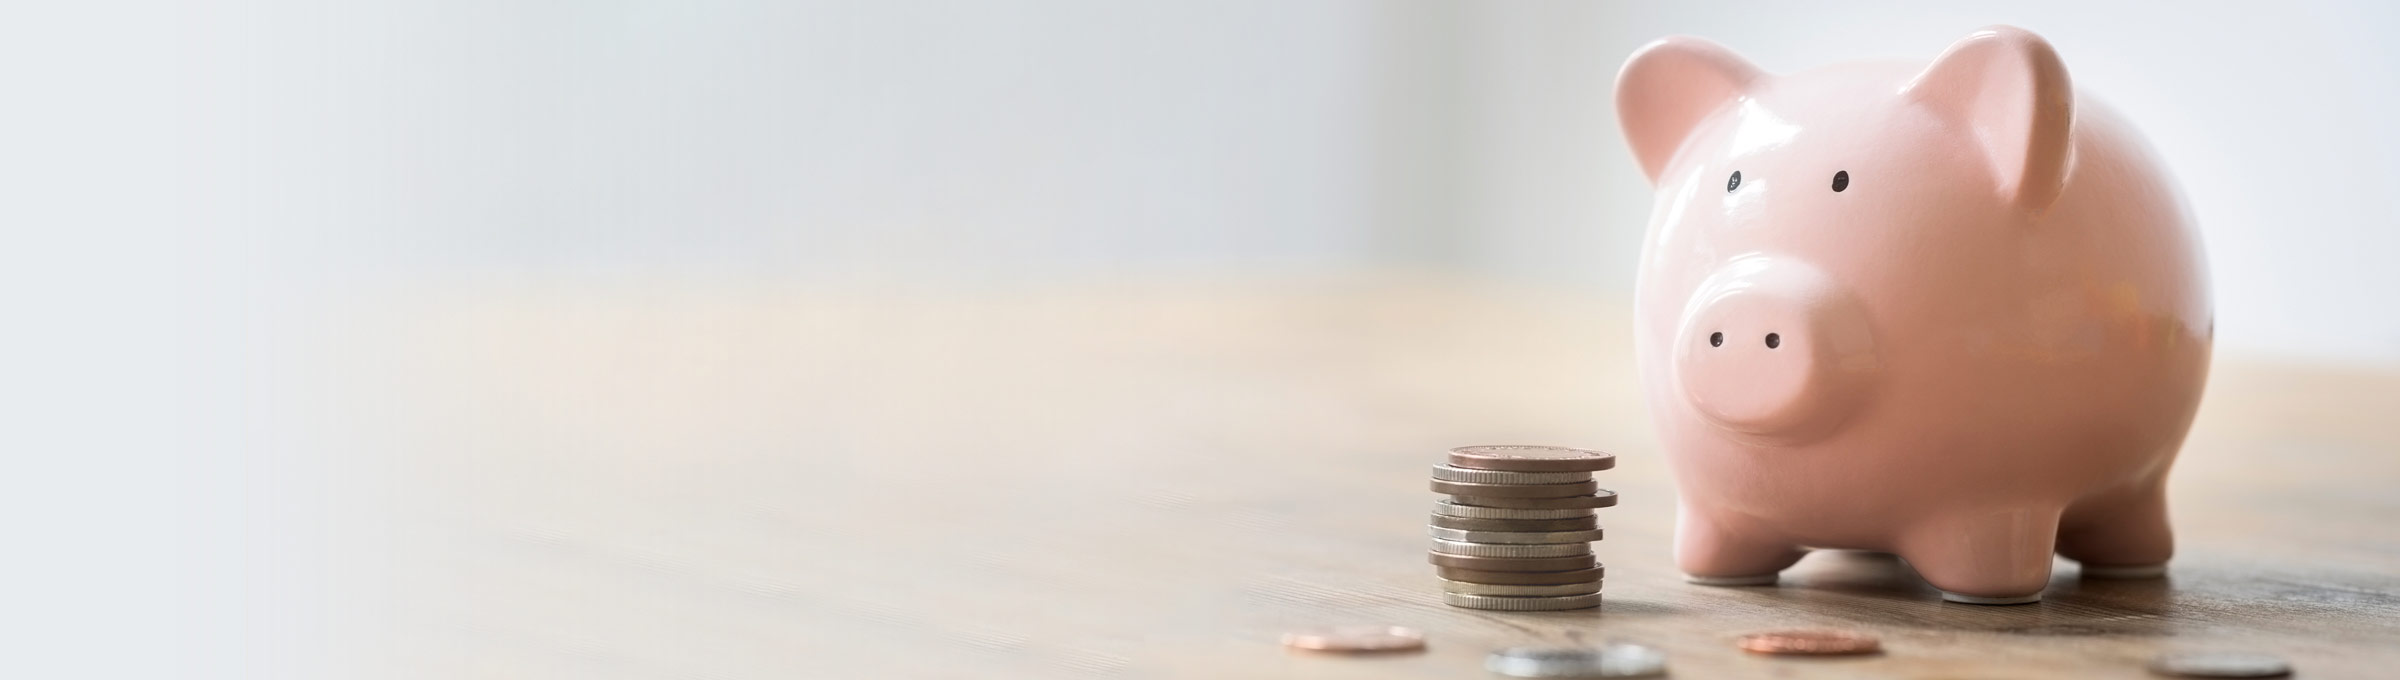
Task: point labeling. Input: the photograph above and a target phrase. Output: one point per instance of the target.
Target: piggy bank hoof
(2140, 571)
(1963, 598)
(1752, 580)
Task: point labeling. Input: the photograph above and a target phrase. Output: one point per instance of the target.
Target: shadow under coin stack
(1515, 532)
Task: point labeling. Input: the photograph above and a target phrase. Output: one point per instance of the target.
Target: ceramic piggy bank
(1953, 311)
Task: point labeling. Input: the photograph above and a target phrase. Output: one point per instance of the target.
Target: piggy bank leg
(1998, 557)
(2123, 535)
(1718, 553)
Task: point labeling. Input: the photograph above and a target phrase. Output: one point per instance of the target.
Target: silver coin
(1515, 537)
(1444, 507)
(1449, 473)
(1522, 604)
(1586, 523)
(1599, 498)
(1511, 549)
(1465, 588)
(1613, 660)
(2220, 665)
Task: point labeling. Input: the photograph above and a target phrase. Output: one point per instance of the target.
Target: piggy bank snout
(1776, 355)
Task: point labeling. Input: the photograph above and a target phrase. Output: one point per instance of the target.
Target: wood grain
(713, 479)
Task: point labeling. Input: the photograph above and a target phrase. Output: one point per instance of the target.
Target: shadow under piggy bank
(1882, 588)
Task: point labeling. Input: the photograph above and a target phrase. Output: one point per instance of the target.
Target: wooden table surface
(735, 479)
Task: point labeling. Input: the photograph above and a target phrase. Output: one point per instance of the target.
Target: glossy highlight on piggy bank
(1954, 311)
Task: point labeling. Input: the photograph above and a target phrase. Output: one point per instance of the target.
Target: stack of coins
(1516, 531)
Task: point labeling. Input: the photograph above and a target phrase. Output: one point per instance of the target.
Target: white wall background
(978, 141)
(1002, 140)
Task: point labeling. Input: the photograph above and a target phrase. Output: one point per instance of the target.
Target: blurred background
(204, 198)
(1048, 140)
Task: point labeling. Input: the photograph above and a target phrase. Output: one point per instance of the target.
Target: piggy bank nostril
(1774, 341)
(1716, 339)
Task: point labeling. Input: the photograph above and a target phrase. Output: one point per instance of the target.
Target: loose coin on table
(1511, 550)
(1356, 639)
(1522, 603)
(1584, 523)
(1458, 474)
(2220, 665)
(1526, 537)
(1600, 499)
(1522, 578)
(1613, 660)
(1531, 459)
(1811, 642)
(1583, 488)
(1465, 588)
(1450, 509)
(1511, 563)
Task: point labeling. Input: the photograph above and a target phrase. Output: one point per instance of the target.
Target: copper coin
(1583, 488)
(1603, 498)
(1811, 642)
(1465, 588)
(1531, 459)
(1511, 563)
(1585, 523)
(1356, 639)
(1522, 578)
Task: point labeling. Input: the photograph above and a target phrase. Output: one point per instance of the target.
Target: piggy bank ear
(1667, 87)
(2007, 88)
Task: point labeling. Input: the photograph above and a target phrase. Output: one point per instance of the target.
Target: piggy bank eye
(1734, 182)
(1841, 180)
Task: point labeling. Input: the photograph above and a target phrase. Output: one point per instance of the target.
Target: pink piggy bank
(1951, 311)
